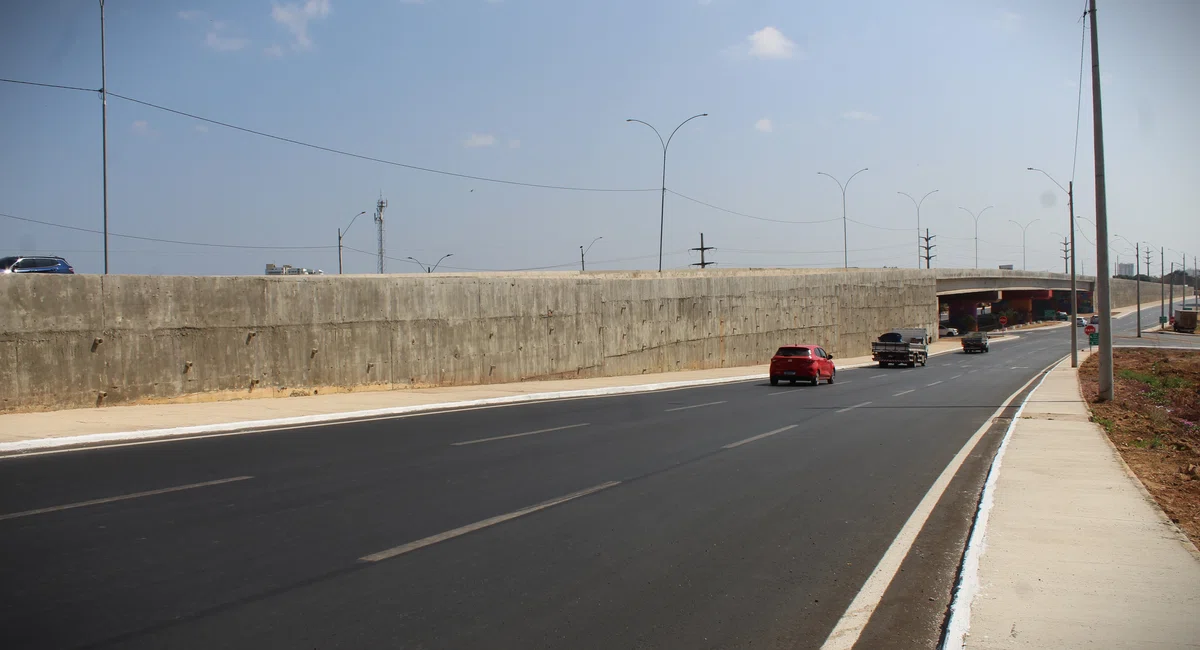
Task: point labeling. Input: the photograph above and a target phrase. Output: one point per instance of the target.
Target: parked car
(1080, 321)
(31, 264)
(975, 342)
(1062, 315)
(947, 331)
(792, 363)
(1095, 319)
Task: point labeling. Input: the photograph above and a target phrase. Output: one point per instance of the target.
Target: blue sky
(934, 94)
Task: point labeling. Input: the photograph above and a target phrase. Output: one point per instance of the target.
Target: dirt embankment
(1154, 420)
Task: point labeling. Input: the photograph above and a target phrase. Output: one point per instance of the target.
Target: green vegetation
(1158, 384)
(1153, 443)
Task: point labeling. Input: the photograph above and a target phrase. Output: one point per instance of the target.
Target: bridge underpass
(966, 310)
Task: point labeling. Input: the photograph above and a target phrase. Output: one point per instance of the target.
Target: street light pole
(1024, 229)
(104, 133)
(976, 218)
(430, 269)
(583, 252)
(1137, 277)
(918, 205)
(342, 233)
(845, 230)
(662, 203)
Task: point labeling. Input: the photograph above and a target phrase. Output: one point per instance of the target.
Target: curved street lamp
(662, 203)
(431, 269)
(918, 204)
(1024, 229)
(583, 252)
(845, 236)
(975, 216)
(342, 233)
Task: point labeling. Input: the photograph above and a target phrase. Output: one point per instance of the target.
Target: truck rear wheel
(912, 364)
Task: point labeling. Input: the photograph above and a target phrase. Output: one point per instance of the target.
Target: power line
(1079, 99)
(877, 227)
(168, 241)
(34, 83)
(382, 161)
(743, 214)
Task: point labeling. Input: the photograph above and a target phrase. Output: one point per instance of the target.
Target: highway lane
(766, 541)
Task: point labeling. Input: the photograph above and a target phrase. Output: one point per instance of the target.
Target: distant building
(1006, 267)
(1124, 268)
(288, 269)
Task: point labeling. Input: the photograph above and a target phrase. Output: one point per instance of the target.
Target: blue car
(31, 264)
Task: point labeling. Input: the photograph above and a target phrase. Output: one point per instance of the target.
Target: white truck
(901, 347)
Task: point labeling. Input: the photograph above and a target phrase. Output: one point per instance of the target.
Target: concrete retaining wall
(83, 340)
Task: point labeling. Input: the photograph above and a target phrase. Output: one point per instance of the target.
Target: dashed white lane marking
(904, 392)
(520, 435)
(759, 436)
(934, 383)
(469, 528)
(123, 497)
(955, 377)
(878, 376)
(851, 408)
(695, 406)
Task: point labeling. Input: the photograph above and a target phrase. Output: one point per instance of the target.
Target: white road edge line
(492, 521)
(694, 406)
(933, 384)
(124, 497)
(968, 582)
(519, 435)
(850, 626)
(851, 408)
(904, 392)
(759, 436)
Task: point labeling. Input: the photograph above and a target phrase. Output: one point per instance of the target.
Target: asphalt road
(739, 515)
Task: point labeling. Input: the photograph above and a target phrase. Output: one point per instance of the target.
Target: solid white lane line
(695, 406)
(124, 497)
(904, 392)
(850, 626)
(934, 383)
(850, 408)
(519, 435)
(759, 436)
(469, 528)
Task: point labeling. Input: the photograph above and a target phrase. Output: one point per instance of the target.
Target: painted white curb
(959, 624)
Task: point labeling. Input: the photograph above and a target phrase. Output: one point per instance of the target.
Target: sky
(959, 97)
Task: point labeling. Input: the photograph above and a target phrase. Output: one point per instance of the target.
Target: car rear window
(793, 352)
(976, 335)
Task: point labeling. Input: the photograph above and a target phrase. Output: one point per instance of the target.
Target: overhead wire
(748, 216)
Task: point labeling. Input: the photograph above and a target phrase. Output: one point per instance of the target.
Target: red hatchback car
(808, 362)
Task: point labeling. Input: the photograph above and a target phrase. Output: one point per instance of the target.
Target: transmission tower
(379, 206)
(703, 249)
(1066, 255)
(928, 247)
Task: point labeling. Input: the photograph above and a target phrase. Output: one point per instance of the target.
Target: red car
(808, 362)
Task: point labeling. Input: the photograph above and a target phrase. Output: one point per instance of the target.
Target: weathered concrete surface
(69, 341)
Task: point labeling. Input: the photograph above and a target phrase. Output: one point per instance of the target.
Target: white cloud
(274, 51)
(200, 128)
(764, 125)
(514, 143)
(224, 43)
(295, 18)
(191, 14)
(476, 140)
(770, 43)
(141, 127)
(861, 116)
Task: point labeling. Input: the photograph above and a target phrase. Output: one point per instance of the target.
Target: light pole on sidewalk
(1024, 229)
(1137, 277)
(583, 251)
(662, 203)
(975, 216)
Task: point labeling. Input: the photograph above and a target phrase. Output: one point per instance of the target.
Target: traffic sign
(1089, 330)
(1162, 320)
(1004, 320)
(1093, 339)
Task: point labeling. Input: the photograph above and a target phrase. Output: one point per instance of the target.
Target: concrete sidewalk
(24, 431)
(1071, 550)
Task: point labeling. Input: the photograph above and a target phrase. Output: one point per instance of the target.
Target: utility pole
(918, 206)
(1104, 299)
(928, 248)
(583, 251)
(1137, 275)
(703, 249)
(104, 133)
(379, 207)
(1172, 301)
(1066, 255)
(1162, 276)
(341, 234)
